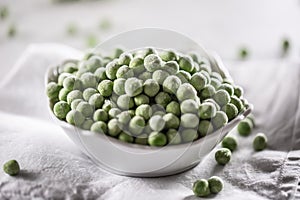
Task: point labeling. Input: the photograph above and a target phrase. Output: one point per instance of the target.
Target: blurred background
(257, 29)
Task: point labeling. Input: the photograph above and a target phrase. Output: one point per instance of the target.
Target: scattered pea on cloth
(11, 167)
(260, 142)
(203, 187)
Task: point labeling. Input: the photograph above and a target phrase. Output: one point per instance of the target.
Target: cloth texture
(54, 168)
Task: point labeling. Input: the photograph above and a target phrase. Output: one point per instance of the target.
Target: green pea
(163, 99)
(171, 67)
(205, 128)
(184, 76)
(217, 76)
(107, 105)
(219, 120)
(243, 53)
(119, 86)
(137, 65)
(105, 88)
(75, 103)
(173, 137)
(88, 80)
(11, 167)
(4, 13)
(237, 102)
(71, 83)
(215, 83)
(125, 102)
(238, 91)
(145, 52)
(227, 87)
(152, 62)
(171, 84)
(230, 143)
(94, 63)
(186, 63)
(75, 94)
(117, 52)
(114, 112)
(85, 108)
(213, 102)
(87, 93)
(144, 111)
(111, 70)
(113, 128)
(136, 125)
(157, 123)
(230, 110)
(124, 59)
(260, 142)
(124, 117)
(196, 68)
(251, 118)
(61, 109)
(52, 90)
(207, 92)
(189, 120)
(99, 127)
(168, 55)
(96, 100)
(141, 139)
(245, 127)
(141, 99)
(215, 184)
(207, 110)
(172, 121)
(62, 77)
(159, 76)
(285, 46)
(125, 137)
(145, 75)
(189, 106)
(75, 117)
(124, 72)
(198, 81)
(133, 87)
(70, 67)
(151, 87)
(205, 67)
(100, 74)
(173, 107)
(157, 139)
(201, 188)
(194, 56)
(186, 91)
(221, 97)
(189, 135)
(223, 156)
(86, 125)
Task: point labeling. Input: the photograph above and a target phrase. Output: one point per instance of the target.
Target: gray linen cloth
(53, 167)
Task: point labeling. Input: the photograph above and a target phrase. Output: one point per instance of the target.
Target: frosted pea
(213, 102)
(114, 112)
(152, 62)
(70, 67)
(111, 69)
(230, 143)
(75, 103)
(159, 76)
(168, 55)
(205, 67)
(88, 80)
(245, 127)
(217, 76)
(207, 92)
(52, 90)
(205, 128)
(157, 139)
(173, 107)
(252, 119)
(99, 127)
(11, 167)
(184, 76)
(172, 121)
(75, 94)
(160, 113)
(94, 63)
(151, 87)
(189, 120)
(124, 72)
(219, 120)
(206, 74)
(189, 135)
(113, 128)
(124, 117)
(141, 139)
(260, 142)
(237, 102)
(223, 156)
(186, 91)
(105, 88)
(196, 68)
(141, 99)
(100, 74)
(72, 83)
(230, 110)
(238, 91)
(125, 102)
(215, 83)
(133, 87)
(144, 111)
(136, 125)
(215, 184)
(201, 188)
(86, 125)
(194, 56)
(171, 67)
(117, 52)
(85, 108)
(173, 136)
(145, 52)
(171, 84)
(96, 100)
(221, 97)
(189, 106)
(137, 65)
(227, 87)
(119, 86)
(87, 93)
(125, 137)
(163, 99)
(61, 109)
(100, 115)
(186, 63)
(62, 77)
(124, 59)
(198, 81)
(75, 117)
(207, 110)
(157, 123)
(145, 76)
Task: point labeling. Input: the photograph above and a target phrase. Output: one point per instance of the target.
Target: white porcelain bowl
(138, 160)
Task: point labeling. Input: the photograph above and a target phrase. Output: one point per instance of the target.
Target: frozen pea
(207, 92)
(171, 84)
(189, 106)
(171, 67)
(100, 74)
(111, 70)
(141, 99)
(124, 59)
(189, 120)
(107, 105)
(260, 142)
(244, 102)
(205, 67)
(157, 107)
(217, 76)
(62, 77)
(160, 113)
(172, 121)
(105, 88)
(75, 94)
(205, 128)
(238, 91)
(151, 87)
(94, 63)
(157, 123)
(245, 127)
(163, 99)
(198, 81)
(221, 97)
(230, 143)
(131, 112)
(72, 83)
(219, 120)
(252, 119)
(201, 188)
(11, 167)
(87, 93)
(215, 83)
(145, 75)
(145, 52)
(168, 55)
(189, 135)
(86, 125)
(125, 102)
(117, 52)
(124, 72)
(61, 109)
(215, 184)
(70, 68)
(230, 110)
(99, 127)
(85, 108)
(213, 102)
(152, 62)
(124, 117)
(173, 107)
(157, 139)
(88, 80)
(186, 63)
(75, 103)
(52, 90)
(186, 91)
(227, 87)
(137, 65)
(119, 86)
(184, 76)
(194, 56)
(159, 76)
(237, 102)
(113, 128)
(196, 68)
(207, 110)
(144, 111)
(4, 12)
(133, 87)
(75, 117)
(141, 139)
(125, 137)
(136, 125)
(206, 74)
(223, 156)
(96, 100)
(173, 136)
(114, 112)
